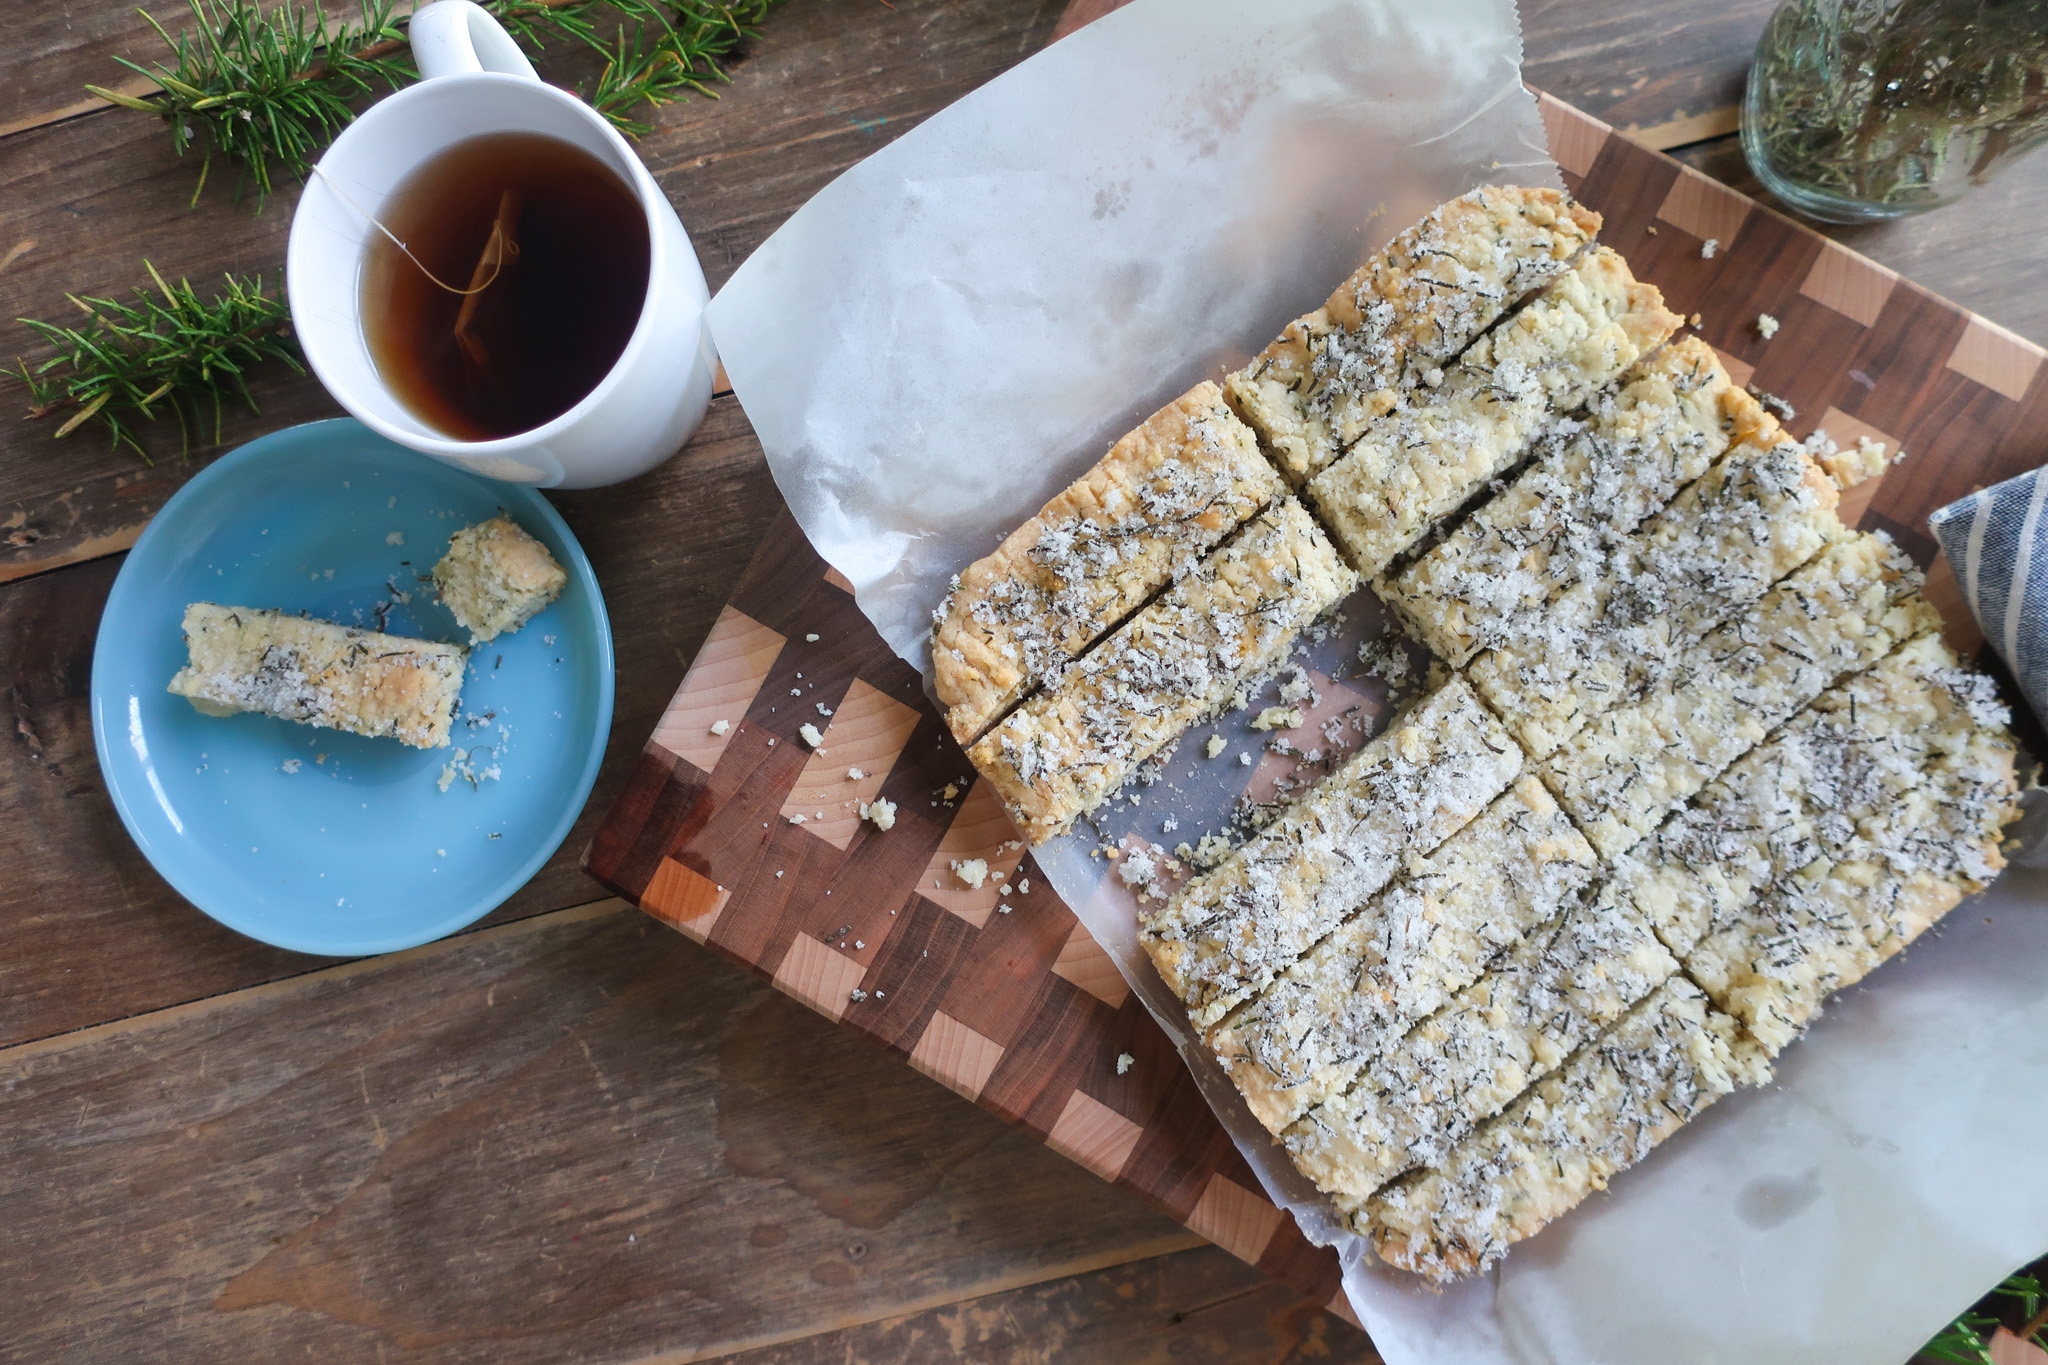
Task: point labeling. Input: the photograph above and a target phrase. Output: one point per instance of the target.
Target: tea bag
(500, 250)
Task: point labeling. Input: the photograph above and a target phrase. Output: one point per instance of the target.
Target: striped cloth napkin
(1996, 540)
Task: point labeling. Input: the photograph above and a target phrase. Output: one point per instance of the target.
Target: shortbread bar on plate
(1142, 517)
(318, 673)
(1410, 310)
(495, 578)
(1067, 749)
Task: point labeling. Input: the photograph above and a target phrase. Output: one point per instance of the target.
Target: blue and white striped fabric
(1996, 540)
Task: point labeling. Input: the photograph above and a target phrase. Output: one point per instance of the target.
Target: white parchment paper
(961, 324)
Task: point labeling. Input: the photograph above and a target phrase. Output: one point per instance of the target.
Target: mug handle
(454, 37)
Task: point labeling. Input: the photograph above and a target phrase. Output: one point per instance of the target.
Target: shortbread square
(496, 577)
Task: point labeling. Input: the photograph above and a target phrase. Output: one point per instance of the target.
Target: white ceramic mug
(476, 81)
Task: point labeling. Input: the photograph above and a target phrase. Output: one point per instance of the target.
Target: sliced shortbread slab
(1229, 933)
(1413, 308)
(1400, 959)
(1616, 1099)
(1423, 461)
(1413, 1104)
(1762, 511)
(1838, 614)
(1067, 749)
(1559, 522)
(1142, 517)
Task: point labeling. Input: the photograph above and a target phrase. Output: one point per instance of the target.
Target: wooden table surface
(567, 1132)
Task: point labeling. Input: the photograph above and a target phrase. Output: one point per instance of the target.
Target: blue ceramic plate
(313, 839)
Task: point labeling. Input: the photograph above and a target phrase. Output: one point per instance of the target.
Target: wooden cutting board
(1005, 998)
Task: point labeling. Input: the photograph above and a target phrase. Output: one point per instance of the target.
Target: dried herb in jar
(1866, 109)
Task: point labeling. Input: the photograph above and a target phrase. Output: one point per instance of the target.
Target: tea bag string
(507, 248)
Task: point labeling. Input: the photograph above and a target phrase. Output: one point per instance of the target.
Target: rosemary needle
(168, 352)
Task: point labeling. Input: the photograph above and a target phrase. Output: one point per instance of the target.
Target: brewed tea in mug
(527, 274)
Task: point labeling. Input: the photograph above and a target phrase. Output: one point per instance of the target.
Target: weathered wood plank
(1984, 253)
(1650, 66)
(1201, 1305)
(94, 934)
(54, 50)
(579, 1136)
(1665, 73)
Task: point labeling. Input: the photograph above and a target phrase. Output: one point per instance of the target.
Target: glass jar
(1859, 110)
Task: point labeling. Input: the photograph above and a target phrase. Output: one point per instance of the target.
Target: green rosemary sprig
(175, 354)
(1967, 1340)
(268, 89)
(666, 52)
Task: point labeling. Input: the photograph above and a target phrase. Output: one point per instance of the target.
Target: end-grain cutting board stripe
(1001, 994)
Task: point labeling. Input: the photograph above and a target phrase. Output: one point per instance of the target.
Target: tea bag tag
(499, 250)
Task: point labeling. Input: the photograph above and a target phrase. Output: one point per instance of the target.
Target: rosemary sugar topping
(1412, 1105)
(1838, 614)
(1566, 519)
(1229, 933)
(1070, 748)
(1141, 519)
(1422, 462)
(1618, 1097)
(1403, 956)
(1405, 315)
(1759, 513)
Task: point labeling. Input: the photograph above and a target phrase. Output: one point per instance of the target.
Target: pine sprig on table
(269, 89)
(166, 353)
